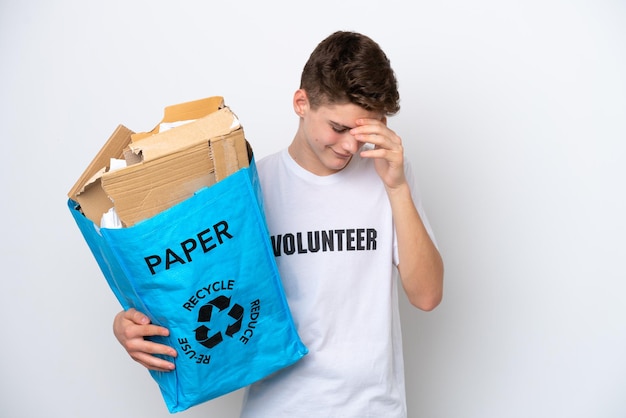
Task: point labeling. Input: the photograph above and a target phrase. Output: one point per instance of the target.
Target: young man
(344, 187)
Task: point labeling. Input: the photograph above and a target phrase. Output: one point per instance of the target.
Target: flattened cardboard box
(165, 167)
(194, 253)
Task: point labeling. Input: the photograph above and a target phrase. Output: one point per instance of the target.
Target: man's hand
(388, 151)
(130, 328)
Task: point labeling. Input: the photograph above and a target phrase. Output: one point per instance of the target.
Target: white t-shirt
(334, 244)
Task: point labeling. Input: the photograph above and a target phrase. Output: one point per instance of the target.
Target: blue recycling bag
(205, 270)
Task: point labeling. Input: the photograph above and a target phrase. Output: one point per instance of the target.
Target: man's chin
(338, 164)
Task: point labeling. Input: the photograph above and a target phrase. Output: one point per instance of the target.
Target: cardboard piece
(164, 167)
(187, 111)
(88, 191)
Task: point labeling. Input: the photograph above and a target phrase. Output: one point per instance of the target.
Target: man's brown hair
(348, 67)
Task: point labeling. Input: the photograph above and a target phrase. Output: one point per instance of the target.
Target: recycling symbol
(208, 312)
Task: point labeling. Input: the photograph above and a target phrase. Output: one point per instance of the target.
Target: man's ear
(300, 102)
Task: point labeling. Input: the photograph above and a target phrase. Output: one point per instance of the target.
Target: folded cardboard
(164, 167)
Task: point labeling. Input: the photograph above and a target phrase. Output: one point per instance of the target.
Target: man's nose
(349, 144)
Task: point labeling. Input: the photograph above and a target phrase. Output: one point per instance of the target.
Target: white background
(513, 113)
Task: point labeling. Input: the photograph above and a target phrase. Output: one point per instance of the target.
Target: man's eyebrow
(339, 125)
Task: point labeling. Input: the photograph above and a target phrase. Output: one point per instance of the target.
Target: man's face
(324, 144)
